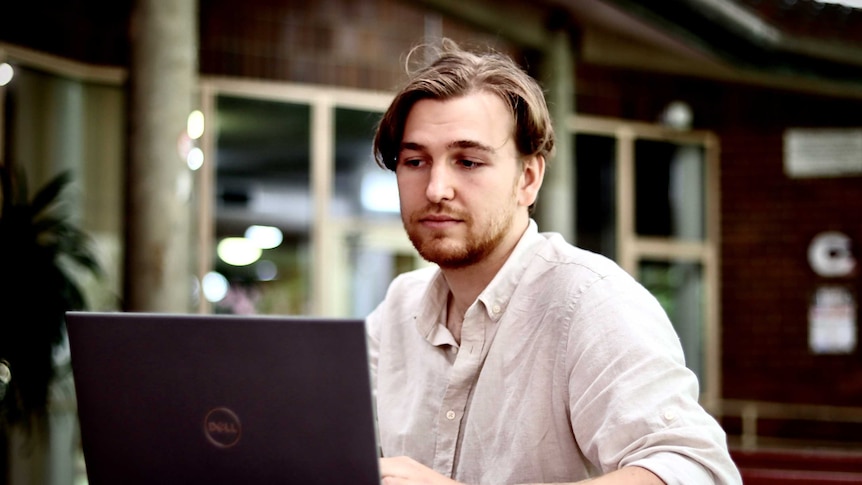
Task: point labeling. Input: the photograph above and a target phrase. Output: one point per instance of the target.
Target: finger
(399, 466)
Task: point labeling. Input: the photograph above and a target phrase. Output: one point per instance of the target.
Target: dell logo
(222, 427)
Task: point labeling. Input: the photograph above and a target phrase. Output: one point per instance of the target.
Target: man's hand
(403, 470)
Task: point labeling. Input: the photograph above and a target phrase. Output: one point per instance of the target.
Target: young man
(518, 358)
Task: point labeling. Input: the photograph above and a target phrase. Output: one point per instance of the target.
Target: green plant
(39, 244)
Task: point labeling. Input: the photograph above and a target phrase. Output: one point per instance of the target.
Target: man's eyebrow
(471, 144)
(408, 145)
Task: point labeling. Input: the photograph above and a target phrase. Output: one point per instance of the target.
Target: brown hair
(456, 72)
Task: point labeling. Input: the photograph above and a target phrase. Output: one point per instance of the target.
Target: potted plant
(39, 245)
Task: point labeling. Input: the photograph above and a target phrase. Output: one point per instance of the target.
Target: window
(669, 190)
(263, 179)
(678, 286)
(595, 192)
(299, 159)
(365, 201)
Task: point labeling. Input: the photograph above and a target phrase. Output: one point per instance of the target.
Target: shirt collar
(432, 313)
(497, 294)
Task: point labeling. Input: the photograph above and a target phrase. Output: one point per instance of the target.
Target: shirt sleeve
(632, 399)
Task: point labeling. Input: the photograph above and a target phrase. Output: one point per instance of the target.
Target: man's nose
(440, 183)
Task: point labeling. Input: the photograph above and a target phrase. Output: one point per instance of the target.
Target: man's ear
(530, 182)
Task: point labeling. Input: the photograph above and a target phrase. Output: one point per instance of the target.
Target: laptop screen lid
(223, 399)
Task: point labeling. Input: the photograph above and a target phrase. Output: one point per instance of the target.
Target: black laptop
(186, 399)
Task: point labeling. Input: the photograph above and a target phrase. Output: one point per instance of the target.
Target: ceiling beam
(738, 36)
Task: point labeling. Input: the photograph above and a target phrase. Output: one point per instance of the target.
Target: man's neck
(465, 285)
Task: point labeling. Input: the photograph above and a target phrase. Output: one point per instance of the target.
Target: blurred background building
(222, 163)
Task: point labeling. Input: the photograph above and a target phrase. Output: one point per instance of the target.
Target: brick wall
(768, 221)
(91, 31)
(331, 42)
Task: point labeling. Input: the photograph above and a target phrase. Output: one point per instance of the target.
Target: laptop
(216, 399)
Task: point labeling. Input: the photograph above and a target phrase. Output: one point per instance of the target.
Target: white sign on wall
(822, 152)
(832, 321)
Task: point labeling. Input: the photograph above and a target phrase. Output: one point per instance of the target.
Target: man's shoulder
(421, 276)
(556, 251)
(412, 286)
(410, 294)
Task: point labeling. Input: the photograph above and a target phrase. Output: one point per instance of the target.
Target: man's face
(461, 184)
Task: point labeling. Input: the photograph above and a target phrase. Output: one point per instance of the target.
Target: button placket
(462, 377)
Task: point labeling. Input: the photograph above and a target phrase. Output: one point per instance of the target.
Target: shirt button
(496, 309)
(450, 415)
(669, 415)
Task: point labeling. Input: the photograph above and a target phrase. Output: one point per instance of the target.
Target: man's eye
(468, 163)
(412, 162)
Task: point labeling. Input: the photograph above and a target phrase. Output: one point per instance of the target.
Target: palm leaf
(37, 242)
(50, 193)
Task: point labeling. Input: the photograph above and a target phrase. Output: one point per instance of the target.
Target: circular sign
(222, 427)
(830, 254)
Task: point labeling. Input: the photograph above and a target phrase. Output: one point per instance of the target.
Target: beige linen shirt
(567, 369)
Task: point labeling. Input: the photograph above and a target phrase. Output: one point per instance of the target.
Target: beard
(454, 251)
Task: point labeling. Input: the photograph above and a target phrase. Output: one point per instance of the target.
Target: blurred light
(265, 237)
(677, 115)
(195, 158)
(380, 192)
(266, 270)
(238, 251)
(6, 73)
(195, 124)
(215, 286)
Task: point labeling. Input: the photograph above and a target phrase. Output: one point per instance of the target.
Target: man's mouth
(438, 218)
(438, 221)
